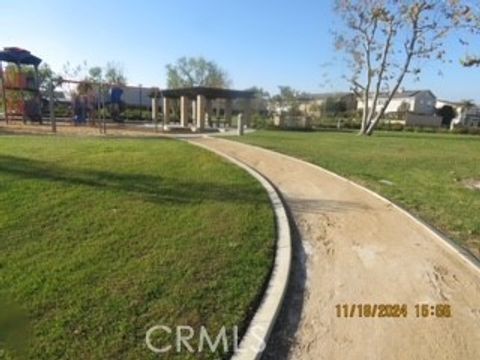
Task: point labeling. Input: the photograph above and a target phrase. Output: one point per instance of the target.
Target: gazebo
(197, 101)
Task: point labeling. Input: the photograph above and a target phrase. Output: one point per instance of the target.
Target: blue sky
(258, 42)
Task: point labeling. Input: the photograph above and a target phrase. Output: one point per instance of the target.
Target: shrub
(260, 122)
(467, 130)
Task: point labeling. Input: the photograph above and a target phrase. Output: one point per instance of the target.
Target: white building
(468, 116)
(137, 96)
(416, 101)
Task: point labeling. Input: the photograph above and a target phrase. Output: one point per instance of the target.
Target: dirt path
(359, 250)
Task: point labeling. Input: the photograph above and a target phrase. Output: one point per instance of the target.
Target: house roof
(448, 102)
(323, 96)
(407, 93)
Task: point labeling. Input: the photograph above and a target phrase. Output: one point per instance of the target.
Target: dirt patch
(113, 130)
(472, 184)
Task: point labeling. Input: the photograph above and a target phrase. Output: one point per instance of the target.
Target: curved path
(360, 250)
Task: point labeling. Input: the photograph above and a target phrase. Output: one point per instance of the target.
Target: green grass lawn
(100, 239)
(428, 171)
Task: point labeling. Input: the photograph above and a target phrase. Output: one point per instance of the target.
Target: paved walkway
(353, 248)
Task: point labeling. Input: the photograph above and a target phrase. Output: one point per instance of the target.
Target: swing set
(86, 102)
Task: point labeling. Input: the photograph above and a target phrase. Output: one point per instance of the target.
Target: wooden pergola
(208, 92)
(199, 99)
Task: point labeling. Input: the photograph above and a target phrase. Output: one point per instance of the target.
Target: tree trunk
(363, 126)
(373, 124)
(366, 112)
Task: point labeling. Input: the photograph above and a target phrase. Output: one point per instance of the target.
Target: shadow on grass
(150, 188)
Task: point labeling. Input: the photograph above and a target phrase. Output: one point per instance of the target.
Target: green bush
(467, 130)
(392, 127)
(261, 122)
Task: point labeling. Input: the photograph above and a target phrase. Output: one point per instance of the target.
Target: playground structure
(59, 101)
(20, 92)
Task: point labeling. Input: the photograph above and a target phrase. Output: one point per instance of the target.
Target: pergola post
(228, 112)
(240, 124)
(194, 112)
(166, 112)
(247, 112)
(184, 111)
(217, 114)
(200, 121)
(209, 112)
(4, 96)
(155, 112)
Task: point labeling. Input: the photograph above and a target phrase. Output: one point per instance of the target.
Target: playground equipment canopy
(19, 56)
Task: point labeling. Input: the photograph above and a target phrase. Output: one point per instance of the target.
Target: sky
(263, 43)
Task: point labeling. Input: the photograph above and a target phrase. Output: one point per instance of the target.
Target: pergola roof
(19, 56)
(209, 92)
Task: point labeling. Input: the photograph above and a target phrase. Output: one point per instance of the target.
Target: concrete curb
(256, 337)
(468, 258)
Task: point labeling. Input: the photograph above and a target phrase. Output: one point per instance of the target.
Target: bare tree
(114, 74)
(384, 41)
(467, 104)
(111, 73)
(469, 18)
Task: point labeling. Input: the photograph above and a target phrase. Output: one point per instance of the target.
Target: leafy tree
(468, 16)
(45, 76)
(287, 99)
(333, 105)
(111, 73)
(383, 40)
(288, 94)
(260, 93)
(447, 113)
(196, 71)
(259, 102)
(467, 104)
(114, 74)
(95, 74)
(471, 61)
(403, 109)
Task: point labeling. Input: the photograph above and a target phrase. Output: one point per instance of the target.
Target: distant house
(454, 104)
(468, 116)
(311, 104)
(416, 101)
